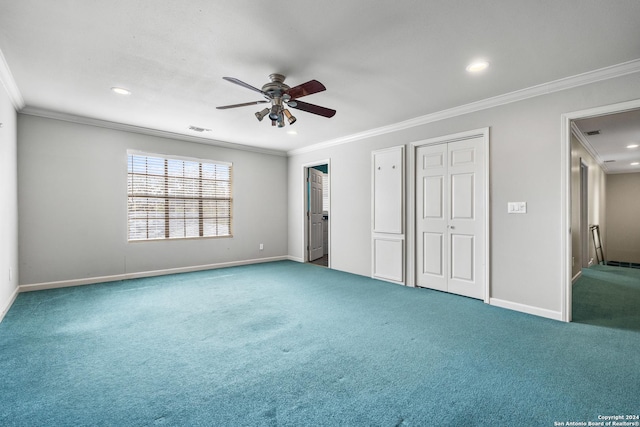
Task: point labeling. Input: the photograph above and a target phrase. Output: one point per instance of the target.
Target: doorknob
(451, 227)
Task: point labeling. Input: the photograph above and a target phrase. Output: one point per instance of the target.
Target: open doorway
(595, 153)
(317, 213)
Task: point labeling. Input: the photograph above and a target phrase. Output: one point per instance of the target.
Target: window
(173, 198)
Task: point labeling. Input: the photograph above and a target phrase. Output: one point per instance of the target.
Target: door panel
(433, 250)
(463, 156)
(433, 203)
(462, 258)
(388, 192)
(388, 257)
(462, 190)
(433, 160)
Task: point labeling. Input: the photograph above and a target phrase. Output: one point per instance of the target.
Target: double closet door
(450, 217)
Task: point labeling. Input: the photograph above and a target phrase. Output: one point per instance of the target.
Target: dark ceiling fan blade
(315, 109)
(244, 104)
(308, 88)
(246, 85)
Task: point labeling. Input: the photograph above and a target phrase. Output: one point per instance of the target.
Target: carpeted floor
(608, 296)
(292, 344)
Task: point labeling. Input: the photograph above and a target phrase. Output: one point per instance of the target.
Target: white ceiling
(609, 147)
(382, 62)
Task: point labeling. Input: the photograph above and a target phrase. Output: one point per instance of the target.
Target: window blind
(325, 192)
(173, 198)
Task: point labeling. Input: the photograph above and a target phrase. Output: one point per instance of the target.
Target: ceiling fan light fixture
(275, 112)
(290, 116)
(261, 114)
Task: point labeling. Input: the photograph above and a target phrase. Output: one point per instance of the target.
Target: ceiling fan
(282, 96)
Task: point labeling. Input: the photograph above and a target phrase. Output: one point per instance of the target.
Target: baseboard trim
(523, 308)
(295, 258)
(117, 277)
(576, 277)
(7, 307)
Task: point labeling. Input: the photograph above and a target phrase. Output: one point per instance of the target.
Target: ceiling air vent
(593, 132)
(609, 161)
(197, 129)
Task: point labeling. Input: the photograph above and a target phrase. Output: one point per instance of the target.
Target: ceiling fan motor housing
(276, 87)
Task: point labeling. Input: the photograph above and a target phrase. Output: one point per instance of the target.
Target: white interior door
(432, 216)
(450, 195)
(316, 247)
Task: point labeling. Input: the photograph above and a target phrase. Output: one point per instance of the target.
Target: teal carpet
(608, 296)
(289, 344)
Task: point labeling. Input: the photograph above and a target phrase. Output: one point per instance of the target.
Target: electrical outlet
(261, 246)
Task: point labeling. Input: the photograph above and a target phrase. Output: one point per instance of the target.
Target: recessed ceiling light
(292, 132)
(477, 66)
(121, 91)
(633, 146)
(635, 163)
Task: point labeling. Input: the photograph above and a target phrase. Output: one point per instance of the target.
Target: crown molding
(587, 146)
(7, 80)
(50, 114)
(589, 77)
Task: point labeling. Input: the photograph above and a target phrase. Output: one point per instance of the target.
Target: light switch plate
(517, 207)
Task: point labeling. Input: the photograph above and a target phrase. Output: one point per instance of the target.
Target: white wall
(8, 203)
(525, 153)
(596, 199)
(623, 218)
(73, 204)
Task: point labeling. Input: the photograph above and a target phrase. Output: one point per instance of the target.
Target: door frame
(305, 202)
(411, 208)
(584, 214)
(565, 194)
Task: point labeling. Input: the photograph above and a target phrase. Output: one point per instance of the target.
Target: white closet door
(466, 218)
(432, 215)
(450, 218)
